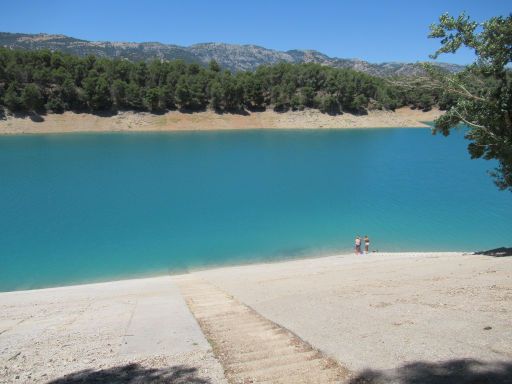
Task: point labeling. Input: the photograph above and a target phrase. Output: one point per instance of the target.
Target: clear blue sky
(386, 30)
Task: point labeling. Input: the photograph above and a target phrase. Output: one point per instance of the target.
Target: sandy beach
(177, 121)
(380, 318)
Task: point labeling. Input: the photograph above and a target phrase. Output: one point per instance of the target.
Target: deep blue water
(89, 207)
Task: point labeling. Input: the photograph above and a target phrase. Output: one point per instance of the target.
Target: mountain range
(229, 56)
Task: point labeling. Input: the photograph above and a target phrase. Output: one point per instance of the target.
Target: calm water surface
(91, 207)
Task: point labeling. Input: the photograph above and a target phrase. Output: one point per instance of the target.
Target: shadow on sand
(497, 252)
(36, 117)
(461, 371)
(134, 374)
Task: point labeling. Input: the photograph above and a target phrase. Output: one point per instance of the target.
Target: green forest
(44, 81)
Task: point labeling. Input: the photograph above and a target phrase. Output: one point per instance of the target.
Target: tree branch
(428, 83)
(465, 91)
(459, 115)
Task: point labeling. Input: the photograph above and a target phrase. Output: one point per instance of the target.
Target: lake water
(90, 207)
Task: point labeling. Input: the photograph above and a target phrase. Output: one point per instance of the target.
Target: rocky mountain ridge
(229, 56)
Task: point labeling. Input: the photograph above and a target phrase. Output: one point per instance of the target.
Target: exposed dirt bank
(209, 120)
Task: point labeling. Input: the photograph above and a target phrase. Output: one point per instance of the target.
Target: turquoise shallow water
(91, 207)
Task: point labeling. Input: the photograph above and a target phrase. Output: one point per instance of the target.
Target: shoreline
(174, 121)
(213, 267)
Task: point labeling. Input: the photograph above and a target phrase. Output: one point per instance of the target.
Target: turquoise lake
(77, 208)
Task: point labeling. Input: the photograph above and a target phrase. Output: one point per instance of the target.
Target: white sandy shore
(384, 310)
(379, 311)
(204, 121)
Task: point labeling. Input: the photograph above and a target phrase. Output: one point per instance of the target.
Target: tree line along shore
(44, 81)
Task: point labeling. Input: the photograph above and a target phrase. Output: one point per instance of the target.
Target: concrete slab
(48, 333)
(161, 324)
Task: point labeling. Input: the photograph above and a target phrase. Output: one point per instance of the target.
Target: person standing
(358, 245)
(366, 244)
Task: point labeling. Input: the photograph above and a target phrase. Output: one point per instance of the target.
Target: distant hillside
(229, 56)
